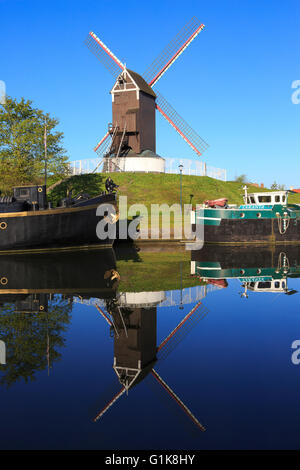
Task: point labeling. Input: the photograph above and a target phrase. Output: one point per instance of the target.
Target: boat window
(252, 200)
(264, 198)
(277, 198)
(283, 198)
(277, 285)
(264, 285)
(283, 285)
(24, 192)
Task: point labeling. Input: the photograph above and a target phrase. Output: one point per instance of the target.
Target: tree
(241, 179)
(33, 340)
(22, 151)
(280, 187)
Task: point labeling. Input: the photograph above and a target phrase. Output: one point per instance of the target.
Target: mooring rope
(283, 223)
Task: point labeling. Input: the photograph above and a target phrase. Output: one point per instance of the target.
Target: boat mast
(45, 146)
(245, 188)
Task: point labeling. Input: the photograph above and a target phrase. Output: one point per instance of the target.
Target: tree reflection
(33, 338)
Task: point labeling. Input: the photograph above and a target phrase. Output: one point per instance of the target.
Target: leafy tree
(33, 340)
(91, 183)
(22, 151)
(241, 179)
(280, 187)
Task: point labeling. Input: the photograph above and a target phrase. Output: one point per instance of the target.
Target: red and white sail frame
(169, 55)
(171, 61)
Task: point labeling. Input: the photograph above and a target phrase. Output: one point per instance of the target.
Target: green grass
(153, 188)
(156, 272)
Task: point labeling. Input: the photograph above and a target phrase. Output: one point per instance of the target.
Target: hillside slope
(149, 188)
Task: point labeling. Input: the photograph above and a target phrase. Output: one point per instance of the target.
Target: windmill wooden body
(132, 131)
(133, 111)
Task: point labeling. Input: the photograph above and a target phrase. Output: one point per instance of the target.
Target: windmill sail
(177, 400)
(171, 52)
(102, 148)
(109, 404)
(181, 331)
(104, 54)
(180, 125)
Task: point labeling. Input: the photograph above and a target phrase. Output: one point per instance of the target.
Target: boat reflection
(259, 268)
(36, 297)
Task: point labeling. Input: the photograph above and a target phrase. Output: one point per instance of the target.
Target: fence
(194, 167)
(190, 167)
(169, 298)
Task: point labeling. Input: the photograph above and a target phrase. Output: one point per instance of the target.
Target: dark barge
(28, 222)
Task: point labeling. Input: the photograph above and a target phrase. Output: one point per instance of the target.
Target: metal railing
(190, 167)
(171, 298)
(194, 167)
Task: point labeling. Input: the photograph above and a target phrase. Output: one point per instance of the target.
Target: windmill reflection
(136, 351)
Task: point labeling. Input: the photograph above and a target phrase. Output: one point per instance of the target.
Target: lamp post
(45, 147)
(180, 169)
(181, 303)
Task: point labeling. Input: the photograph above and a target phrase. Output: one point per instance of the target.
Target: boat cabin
(278, 285)
(25, 198)
(266, 198)
(273, 286)
(34, 196)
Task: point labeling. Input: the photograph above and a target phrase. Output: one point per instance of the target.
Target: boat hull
(60, 228)
(229, 257)
(235, 231)
(78, 273)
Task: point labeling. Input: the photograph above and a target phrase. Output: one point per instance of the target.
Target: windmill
(134, 102)
(135, 351)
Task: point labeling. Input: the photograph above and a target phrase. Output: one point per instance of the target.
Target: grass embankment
(152, 188)
(156, 272)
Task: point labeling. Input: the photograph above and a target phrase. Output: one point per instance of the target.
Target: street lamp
(45, 146)
(180, 169)
(181, 303)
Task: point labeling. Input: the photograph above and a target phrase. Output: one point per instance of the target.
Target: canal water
(151, 348)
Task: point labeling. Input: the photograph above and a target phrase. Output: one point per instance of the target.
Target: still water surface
(92, 356)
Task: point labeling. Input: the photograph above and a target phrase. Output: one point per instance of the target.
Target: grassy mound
(153, 188)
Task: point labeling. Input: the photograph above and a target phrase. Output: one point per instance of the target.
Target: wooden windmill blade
(180, 125)
(168, 345)
(172, 51)
(157, 69)
(109, 404)
(114, 66)
(104, 54)
(190, 320)
(102, 148)
(176, 398)
(102, 143)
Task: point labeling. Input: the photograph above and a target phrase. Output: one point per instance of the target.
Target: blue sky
(233, 85)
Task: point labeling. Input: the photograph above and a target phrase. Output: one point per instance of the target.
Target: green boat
(264, 217)
(259, 270)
